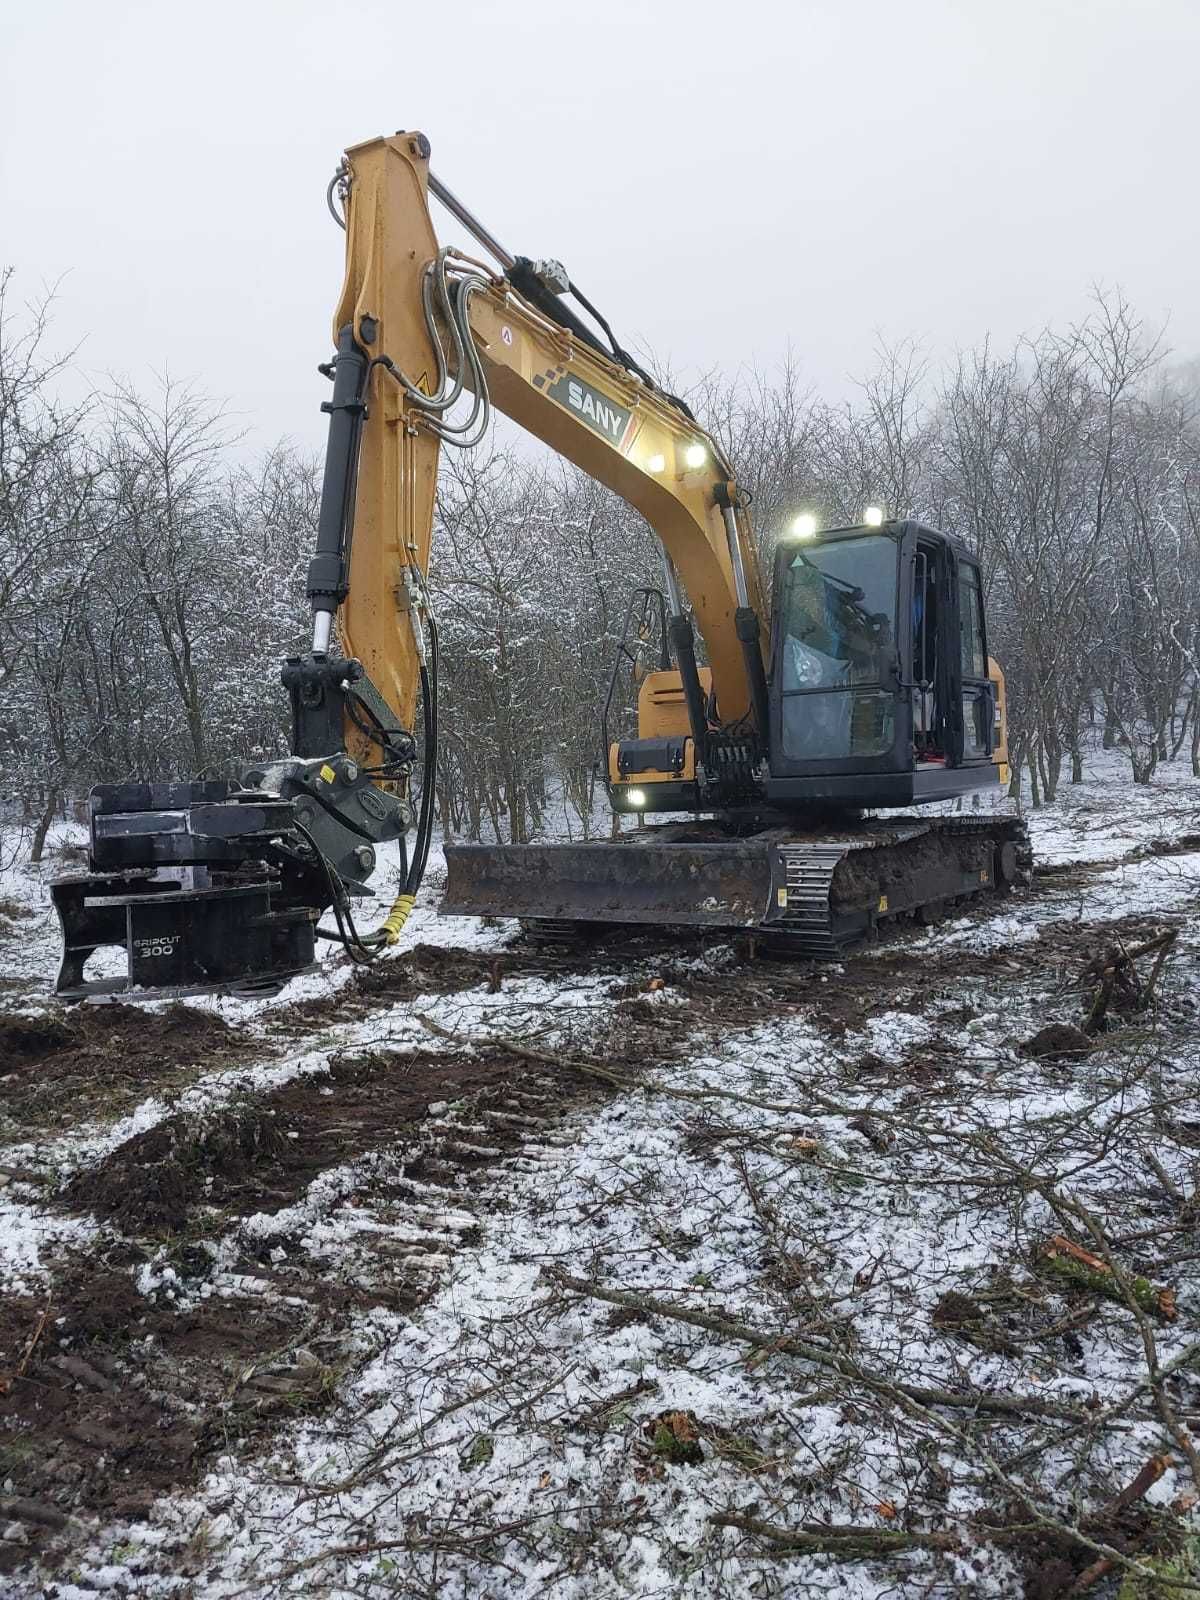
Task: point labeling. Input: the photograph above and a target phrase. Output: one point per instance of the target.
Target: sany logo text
(602, 415)
(612, 421)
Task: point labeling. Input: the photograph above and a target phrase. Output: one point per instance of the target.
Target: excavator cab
(882, 693)
(880, 689)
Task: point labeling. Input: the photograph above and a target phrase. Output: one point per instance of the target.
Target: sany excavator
(863, 684)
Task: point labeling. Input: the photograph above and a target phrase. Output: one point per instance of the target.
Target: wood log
(1070, 1261)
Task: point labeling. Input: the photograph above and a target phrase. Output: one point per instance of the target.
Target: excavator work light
(873, 517)
(804, 526)
(656, 464)
(636, 797)
(695, 456)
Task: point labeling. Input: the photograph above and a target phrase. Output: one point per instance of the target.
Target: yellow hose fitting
(397, 917)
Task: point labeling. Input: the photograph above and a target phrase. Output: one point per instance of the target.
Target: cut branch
(785, 1344)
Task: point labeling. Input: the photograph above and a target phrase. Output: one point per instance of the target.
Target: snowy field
(655, 1271)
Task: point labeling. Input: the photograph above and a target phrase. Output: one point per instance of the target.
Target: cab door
(973, 693)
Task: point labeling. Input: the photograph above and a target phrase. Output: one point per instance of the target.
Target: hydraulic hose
(402, 906)
(366, 947)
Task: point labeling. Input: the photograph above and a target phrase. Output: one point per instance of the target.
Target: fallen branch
(1160, 960)
(525, 1052)
(596, 1415)
(1065, 1259)
(462, 1539)
(1090, 1577)
(7, 1379)
(1149, 1475)
(1117, 1408)
(1119, 970)
(976, 1400)
(1133, 1491)
(852, 1543)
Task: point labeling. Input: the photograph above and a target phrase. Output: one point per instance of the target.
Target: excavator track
(840, 892)
(812, 894)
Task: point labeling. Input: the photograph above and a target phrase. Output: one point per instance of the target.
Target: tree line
(152, 575)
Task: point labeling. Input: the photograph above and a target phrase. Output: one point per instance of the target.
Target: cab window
(970, 612)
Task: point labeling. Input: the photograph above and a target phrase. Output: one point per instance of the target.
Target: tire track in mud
(262, 1154)
(127, 1392)
(60, 1068)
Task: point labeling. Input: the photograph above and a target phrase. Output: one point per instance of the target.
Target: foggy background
(918, 256)
(723, 182)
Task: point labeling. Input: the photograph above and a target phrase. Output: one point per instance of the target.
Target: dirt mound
(262, 1155)
(1183, 844)
(177, 1029)
(424, 970)
(32, 1038)
(56, 1068)
(1058, 1041)
(154, 1180)
(433, 969)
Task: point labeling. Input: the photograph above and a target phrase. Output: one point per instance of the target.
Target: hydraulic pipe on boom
(473, 226)
(327, 571)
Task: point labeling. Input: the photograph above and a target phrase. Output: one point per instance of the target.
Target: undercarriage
(814, 892)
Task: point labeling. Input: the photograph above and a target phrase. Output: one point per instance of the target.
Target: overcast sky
(722, 179)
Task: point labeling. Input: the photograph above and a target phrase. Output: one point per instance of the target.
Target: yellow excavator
(863, 684)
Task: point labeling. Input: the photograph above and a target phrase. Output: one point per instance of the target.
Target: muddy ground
(111, 1394)
(109, 1400)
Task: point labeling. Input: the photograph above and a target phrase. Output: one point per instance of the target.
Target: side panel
(662, 709)
(1000, 694)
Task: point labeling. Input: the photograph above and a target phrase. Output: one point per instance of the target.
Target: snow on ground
(398, 1027)
(874, 1183)
(479, 1415)
(28, 1237)
(1104, 818)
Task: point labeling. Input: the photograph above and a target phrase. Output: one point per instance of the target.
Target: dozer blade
(713, 885)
